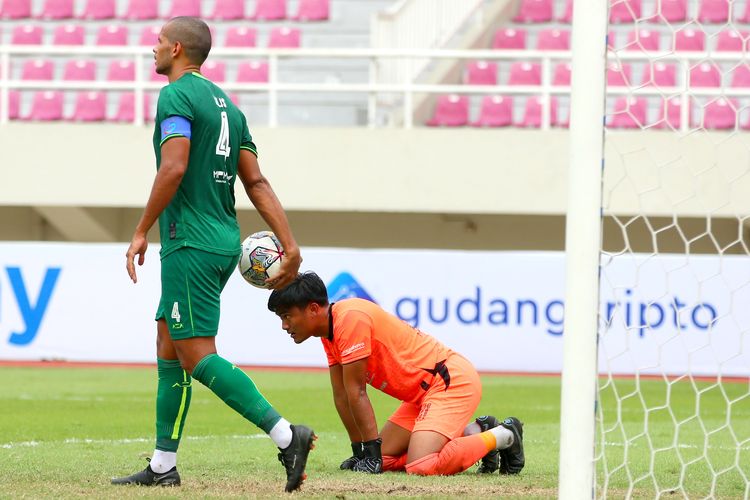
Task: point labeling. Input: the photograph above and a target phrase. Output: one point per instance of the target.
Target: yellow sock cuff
(489, 440)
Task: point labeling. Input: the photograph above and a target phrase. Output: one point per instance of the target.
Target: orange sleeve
(329, 352)
(352, 334)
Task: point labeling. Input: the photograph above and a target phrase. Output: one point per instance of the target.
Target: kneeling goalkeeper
(439, 388)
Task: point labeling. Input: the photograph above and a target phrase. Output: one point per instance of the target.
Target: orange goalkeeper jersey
(402, 361)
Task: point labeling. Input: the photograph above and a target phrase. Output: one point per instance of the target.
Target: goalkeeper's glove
(372, 463)
(357, 455)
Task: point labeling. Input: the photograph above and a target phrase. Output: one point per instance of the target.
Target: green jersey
(202, 214)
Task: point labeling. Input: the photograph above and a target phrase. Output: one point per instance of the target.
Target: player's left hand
(372, 463)
(290, 262)
(138, 246)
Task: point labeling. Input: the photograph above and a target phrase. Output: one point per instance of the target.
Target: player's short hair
(306, 288)
(194, 36)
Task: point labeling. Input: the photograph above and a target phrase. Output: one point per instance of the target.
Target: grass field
(65, 431)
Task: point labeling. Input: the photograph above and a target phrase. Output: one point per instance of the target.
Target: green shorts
(191, 285)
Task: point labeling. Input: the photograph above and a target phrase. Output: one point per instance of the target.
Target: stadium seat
(227, 10)
(184, 8)
(624, 11)
(46, 106)
(450, 111)
(140, 10)
(14, 105)
(69, 34)
(670, 113)
(481, 73)
(745, 16)
(567, 16)
(216, 71)
(525, 73)
(283, 37)
(27, 34)
(553, 39)
(720, 114)
(38, 69)
(79, 70)
(56, 9)
(313, 10)
(269, 10)
(731, 40)
(90, 107)
(15, 9)
(509, 38)
(240, 36)
(534, 11)
(619, 75)
(689, 39)
(121, 71)
(149, 36)
(660, 74)
(713, 11)
(99, 9)
(670, 11)
(126, 108)
(495, 111)
(532, 113)
(705, 75)
(561, 75)
(252, 72)
(112, 34)
(629, 112)
(741, 76)
(643, 39)
(156, 77)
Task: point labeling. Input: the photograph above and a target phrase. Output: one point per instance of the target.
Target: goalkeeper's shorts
(446, 411)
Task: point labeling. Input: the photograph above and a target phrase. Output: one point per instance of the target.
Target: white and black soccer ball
(261, 258)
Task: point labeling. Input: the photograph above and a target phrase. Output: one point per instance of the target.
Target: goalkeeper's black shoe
(148, 477)
(294, 456)
(512, 459)
(491, 461)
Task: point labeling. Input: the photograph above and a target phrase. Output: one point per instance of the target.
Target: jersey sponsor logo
(354, 348)
(221, 177)
(345, 286)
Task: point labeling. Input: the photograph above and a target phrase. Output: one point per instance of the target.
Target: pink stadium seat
(612, 40)
(56, 9)
(561, 76)
(745, 16)
(720, 114)
(525, 73)
(79, 69)
(284, 38)
(112, 34)
(532, 113)
(534, 11)
(14, 105)
(38, 69)
(567, 16)
(313, 10)
(269, 10)
(741, 76)
(713, 11)
(643, 39)
(252, 72)
(624, 11)
(660, 74)
(15, 9)
(731, 40)
(553, 39)
(481, 73)
(705, 75)
(671, 11)
(689, 39)
(46, 106)
(139, 10)
(669, 114)
(450, 111)
(126, 108)
(99, 9)
(149, 36)
(228, 10)
(216, 71)
(90, 107)
(496, 111)
(629, 112)
(240, 36)
(121, 71)
(69, 34)
(156, 77)
(27, 34)
(509, 38)
(619, 75)
(184, 8)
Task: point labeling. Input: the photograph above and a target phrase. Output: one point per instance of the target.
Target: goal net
(673, 401)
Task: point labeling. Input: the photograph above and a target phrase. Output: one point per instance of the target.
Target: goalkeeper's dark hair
(307, 287)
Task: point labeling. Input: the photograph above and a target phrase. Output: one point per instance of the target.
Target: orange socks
(457, 456)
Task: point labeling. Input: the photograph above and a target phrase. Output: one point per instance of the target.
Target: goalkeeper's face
(298, 322)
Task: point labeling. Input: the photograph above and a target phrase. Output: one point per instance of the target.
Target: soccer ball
(261, 258)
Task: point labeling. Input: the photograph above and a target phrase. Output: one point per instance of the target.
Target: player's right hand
(357, 455)
(289, 269)
(372, 463)
(138, 246)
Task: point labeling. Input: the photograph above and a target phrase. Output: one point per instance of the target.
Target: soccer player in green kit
(202, 145)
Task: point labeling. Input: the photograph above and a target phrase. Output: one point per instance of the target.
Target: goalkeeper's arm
(355, 386)
(342, 407)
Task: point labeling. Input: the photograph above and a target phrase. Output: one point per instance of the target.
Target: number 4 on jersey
(222, 147)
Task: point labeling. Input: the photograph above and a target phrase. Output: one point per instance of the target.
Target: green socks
(237, 390)
(172, 403)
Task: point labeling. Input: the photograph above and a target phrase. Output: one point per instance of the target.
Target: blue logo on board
(345, 286)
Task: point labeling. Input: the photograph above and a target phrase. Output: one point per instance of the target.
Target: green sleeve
(247, 139)
(173, 102)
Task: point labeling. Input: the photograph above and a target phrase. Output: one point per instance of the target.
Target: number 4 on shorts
(176, 312)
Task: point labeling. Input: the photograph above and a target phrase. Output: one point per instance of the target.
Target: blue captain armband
(175, 126)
